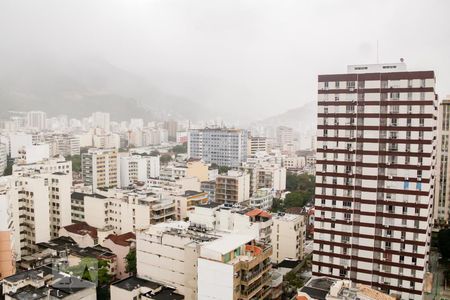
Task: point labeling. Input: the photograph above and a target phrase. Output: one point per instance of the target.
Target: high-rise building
(284, 135)
(36, 119)
(172, 127)
(100, 168)
(442, 198)
(101, 120)
(374, 177)
(138, 168)
(221, 146)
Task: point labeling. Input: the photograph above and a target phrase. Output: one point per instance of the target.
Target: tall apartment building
(288, 237)
(374, 177)
(442, 199)
(171, 126)
(9, 245)
(184, 257)
(233, 187)
(138, 168)
(101, 120)
(36, 120)
(222, 146)
(285, 135)
(100, 168)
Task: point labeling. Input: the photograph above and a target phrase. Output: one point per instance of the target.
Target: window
(325, 84)
(337, 84)
(350, 84)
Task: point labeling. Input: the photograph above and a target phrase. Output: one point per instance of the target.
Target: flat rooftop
(133, 282)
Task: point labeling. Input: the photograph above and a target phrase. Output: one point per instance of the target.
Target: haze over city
(224, 150)
(260, 56)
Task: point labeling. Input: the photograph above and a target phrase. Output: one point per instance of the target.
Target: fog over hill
(79, 87)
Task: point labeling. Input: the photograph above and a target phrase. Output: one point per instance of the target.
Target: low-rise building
(210, 188)
(138, 168)
(262, 199)
(132, 288)
(120, 245)
(47, 283)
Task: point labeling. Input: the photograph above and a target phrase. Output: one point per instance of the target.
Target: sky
(254, 58)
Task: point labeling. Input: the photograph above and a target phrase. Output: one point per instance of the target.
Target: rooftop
(228, 243)
(123, 240)
(82, 228)
(165, 294)
(133, 282)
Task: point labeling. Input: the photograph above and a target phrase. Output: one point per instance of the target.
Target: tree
(76, 162)
(130, 260)
(154, 153)
(178, 149)
(444, 243)
(224, 169)
(8, 169)
(277, 205)
(165, 158)
(296, 199)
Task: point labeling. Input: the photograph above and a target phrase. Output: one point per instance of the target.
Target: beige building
(100, 168)
(288, 237)
(442, 200)
(197, 168)
(257, 144)
(233, 187)
(187, 202)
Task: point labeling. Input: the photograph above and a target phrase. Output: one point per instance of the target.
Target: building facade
(442, 199)
(374, 177)
(221, 146)
(100, 168)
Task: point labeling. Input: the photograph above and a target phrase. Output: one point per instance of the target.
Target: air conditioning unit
(351, 89)
(388, 163)
(390, 177)
(406, 178)
(419, 179)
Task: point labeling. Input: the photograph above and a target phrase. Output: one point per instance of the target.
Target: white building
(126, 211)
(222, 146)
(285, 135)
(17, 141)
(257, 144)
(288, 237)
(442, 197)
(374, 177)
(101, 120)
(138, 168)
(33, 153)
(262, 199)
(184, 257)
(36, 120)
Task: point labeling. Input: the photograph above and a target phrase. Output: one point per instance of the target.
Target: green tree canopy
(130, 260)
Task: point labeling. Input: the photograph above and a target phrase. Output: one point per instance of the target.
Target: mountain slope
(78, 88)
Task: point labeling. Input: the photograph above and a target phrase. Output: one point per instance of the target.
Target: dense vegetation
(76, 162)
(131, 262)
(301, 188)
(179, 149)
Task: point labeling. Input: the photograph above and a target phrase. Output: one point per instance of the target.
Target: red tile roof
(123, 239)
(258, 212)
(82, 228)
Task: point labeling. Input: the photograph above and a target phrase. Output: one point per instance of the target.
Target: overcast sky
(261, 57)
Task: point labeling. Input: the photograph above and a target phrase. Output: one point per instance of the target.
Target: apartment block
(233, 187)
(442, 198)
(100, 168)
(9, 244)
(376, 140)
(187, 202)
(184, 257)
(285, 135)
(288, 237)
(36, 120)
(128, 210)
(262, 199)
(257, 144)
(221, 146)
(233, 218)
(138, 168)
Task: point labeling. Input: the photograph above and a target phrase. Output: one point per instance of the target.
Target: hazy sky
(261, 57)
